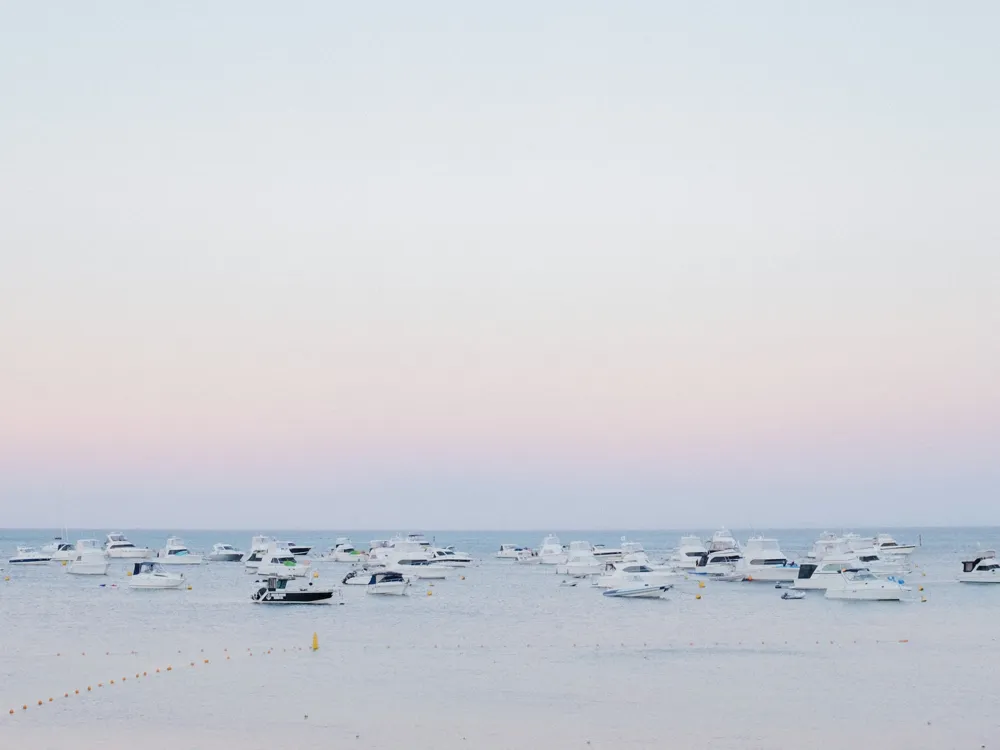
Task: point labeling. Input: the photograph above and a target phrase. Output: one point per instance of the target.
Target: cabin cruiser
(30, 556)
(580, 561)
(607, 554)
(298, 550)
(622, 575)
(633, 552)
(642, 591)
(527, 557)
(259, 546)
(820, 574)
(418, 568)
(89, 559)
(175, 553)
(508, 552)
(872, 559)
(860, 584)
(722, 540)
(689, 552)
(828, 544)
(386, 582)
(118, 546)
(889, 546)
(277, 589)
(447, 557)
(59, 550)
(343, 551)
(417, 539)
(279, 561)
(150, 574)
(721, 562)
(551, 552)
(982, 569)
(222, 552)
(764, 561)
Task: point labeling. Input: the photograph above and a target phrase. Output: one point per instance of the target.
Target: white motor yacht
(118, 547)
(764, 561)
(722, 540)
(722, 562)
(292, 590)
(607, 554)
(222, 552)
(279, 561)
(89, 559)
(30, 556)
(580, 561)
(634, 552)
(828, 544)
(386, 582)
(175, 553)
(622, 575)
(551, 552)
(59, 550)
(259, 546)
(820, 574)
(889, 546)
(298, 550)
(446, 557)
(343, 551)
(879, 564)
(508, 552)
(982, 569)
(860, 584)
(642, 591)
(688, 553)
(527, 557)
(150, 574)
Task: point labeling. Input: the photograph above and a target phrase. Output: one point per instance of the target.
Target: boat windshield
(178, 552)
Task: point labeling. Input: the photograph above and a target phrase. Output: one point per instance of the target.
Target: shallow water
(503, 659)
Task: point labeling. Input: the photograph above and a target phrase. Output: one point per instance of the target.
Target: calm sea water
(505, 658)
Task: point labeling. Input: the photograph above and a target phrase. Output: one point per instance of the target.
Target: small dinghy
(793, 594)
(639, 592)
(568, 584)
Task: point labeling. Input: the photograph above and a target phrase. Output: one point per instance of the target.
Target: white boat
(551, 552)
(527, 557)
(89, 559)
(175, 553)
(722, 540)
(386, 582)
(418, 569)
(644, 591)
(59, 550)
(279, 561)
(764, 561)
(259, 546)
(30, 556)
(718, 563)
(982, 569)
(794, 595)
(343, 551)
(580, 561)
(150, 574)
(622, 575)
(446, 557)
(292, 590)
(889, 546)
(298, 550)
(118, 547)
(820, 574)
(508, 552)
(607, 554)
(859, 584)
(222, 552)
(878, 564)
(634, 552)
(688, 553)
(828, 544)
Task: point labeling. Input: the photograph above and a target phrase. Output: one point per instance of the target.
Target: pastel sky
(509, 265)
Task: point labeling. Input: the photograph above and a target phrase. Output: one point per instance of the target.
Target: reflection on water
(505, 658)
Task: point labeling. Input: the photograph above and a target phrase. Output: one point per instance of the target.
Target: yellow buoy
(189, 587)
(701, 584)
(430, 593)
(315, 574)
(923, 599)
(128, 573)
(315, 646)
(920, 588)
(697, 596)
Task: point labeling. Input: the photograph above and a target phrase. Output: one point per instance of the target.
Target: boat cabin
(386, 576)
(988, 562)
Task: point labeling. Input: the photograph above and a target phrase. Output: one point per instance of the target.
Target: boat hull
(225, 557)
(88, 569)
(180, 560)
(867, 595)
(30, 560)
(394, 588)
(985, 578)
(770, 574)
(153, 585)
(132, 553)
(638, 592)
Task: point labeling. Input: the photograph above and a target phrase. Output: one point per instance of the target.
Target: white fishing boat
(644, 591)
(150, 574)
(279, 561)
(763, 561)
(607, 554)
(222, 552)
(344, 551)
(176, 553)
(59, 550)
(259, 546)
(527, 557)
(722, 540)
(622, 575)
(118, 547)
(859, 584)
(387, 582)
(717, 563)
(508, 552)
(580, 561)
(447, 557)
(418, 569)
(89, 559)
(30, 556)
(297, 550)
(983, 568)
(885, 544)
(292, 590)
(688, 553)
(551, 552)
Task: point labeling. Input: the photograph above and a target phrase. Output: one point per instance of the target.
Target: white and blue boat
(30, 556)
